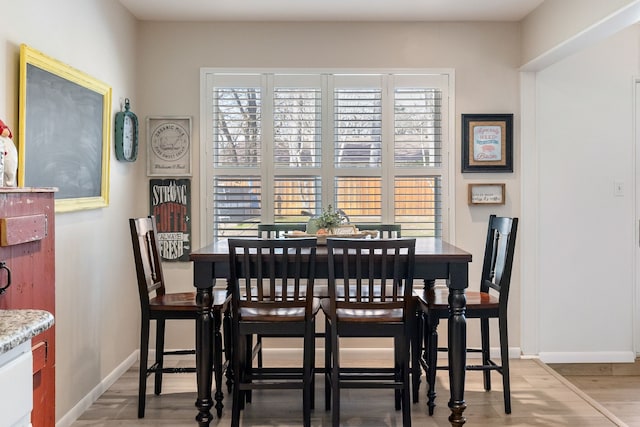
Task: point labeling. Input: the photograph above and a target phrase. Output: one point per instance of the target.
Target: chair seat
(186, 301)
(364, 315)
(279, 314)
(439, 299)
(174, 301)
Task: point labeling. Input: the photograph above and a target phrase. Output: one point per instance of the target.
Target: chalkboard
(64, 132)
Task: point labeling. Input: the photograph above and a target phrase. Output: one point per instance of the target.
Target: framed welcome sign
(487, 143)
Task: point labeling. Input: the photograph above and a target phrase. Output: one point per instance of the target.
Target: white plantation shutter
(360, 198)
(297, 127)
(237, 201)
(295, 195)
(280, 144)
(358, 127)
(237, 121)
(417, 127)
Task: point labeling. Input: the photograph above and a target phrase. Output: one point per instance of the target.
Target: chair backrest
(271, 273)
(498, 256)
(147, 258)
(385, 231)
(274, 231)
(370, 273)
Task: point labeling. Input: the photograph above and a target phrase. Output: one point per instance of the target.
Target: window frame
(447, 84)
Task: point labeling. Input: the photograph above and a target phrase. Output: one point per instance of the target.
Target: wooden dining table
(435, 259)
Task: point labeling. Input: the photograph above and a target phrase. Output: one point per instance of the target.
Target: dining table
(434, 259)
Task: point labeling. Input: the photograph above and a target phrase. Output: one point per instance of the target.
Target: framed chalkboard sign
(64, 132)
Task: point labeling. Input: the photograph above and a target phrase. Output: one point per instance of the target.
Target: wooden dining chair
(370, 295)
(159, 305)
(487, 303)
(279, 229)
(385, 231)
(275, 231)
(271, 282)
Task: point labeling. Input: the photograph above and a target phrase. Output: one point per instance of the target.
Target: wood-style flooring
(540, 397)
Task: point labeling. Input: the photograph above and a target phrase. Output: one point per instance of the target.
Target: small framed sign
(169, 146)
(487, 143)
(170, 203)
(487, 194)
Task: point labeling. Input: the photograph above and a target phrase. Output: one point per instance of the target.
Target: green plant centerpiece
(326, 221)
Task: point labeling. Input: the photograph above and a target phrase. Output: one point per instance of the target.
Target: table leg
(457, 354)
(204, 356)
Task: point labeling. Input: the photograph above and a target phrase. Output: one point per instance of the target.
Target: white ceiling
(330, 10)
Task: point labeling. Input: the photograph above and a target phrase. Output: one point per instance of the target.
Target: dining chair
(271, 282)
(370, 295)
(159, 305)
(279, 229)
(487, 303)
(275, 231)
(385, 231)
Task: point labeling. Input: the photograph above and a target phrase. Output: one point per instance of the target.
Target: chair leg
(259, 343)
(431, 344)
(159, 355)
(238, 397)
(486, 356)
(144, 355)
(416, 348)
(406, 397)
(398, 367)
(312, 364)
(247, 366)
(217, 363)
(307, 380)
(504, 355)
(228, 347)
(335, 378)
(327, 365)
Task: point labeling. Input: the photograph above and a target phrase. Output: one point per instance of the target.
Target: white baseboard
(84, 404)
(588, 357)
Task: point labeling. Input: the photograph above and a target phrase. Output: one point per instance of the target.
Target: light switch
(618, 188)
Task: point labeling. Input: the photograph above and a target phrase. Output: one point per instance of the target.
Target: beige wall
(555, 21)
(485, 58)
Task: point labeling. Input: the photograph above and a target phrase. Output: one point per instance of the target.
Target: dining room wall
(484, 56)
(586, 239)
(556, 21)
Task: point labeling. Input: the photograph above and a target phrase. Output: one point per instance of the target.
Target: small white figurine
(9, 156)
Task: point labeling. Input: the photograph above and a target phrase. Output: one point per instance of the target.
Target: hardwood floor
(540, 397)
(615, 386)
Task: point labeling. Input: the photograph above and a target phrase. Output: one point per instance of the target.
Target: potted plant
(326, 221)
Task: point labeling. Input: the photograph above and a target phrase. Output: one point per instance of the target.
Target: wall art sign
(171, 205)
(487, 194)
(64, 132)
(487, 143)
(169, 146)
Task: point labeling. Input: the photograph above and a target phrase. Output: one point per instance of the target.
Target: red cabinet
(27, 246)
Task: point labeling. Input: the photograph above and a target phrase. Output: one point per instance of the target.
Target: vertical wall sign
(171, 204)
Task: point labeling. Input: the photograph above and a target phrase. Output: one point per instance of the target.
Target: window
(280, 146)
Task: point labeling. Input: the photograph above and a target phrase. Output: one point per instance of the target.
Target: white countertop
(18, 326)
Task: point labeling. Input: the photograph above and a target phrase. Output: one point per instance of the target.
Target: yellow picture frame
(64, 132)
